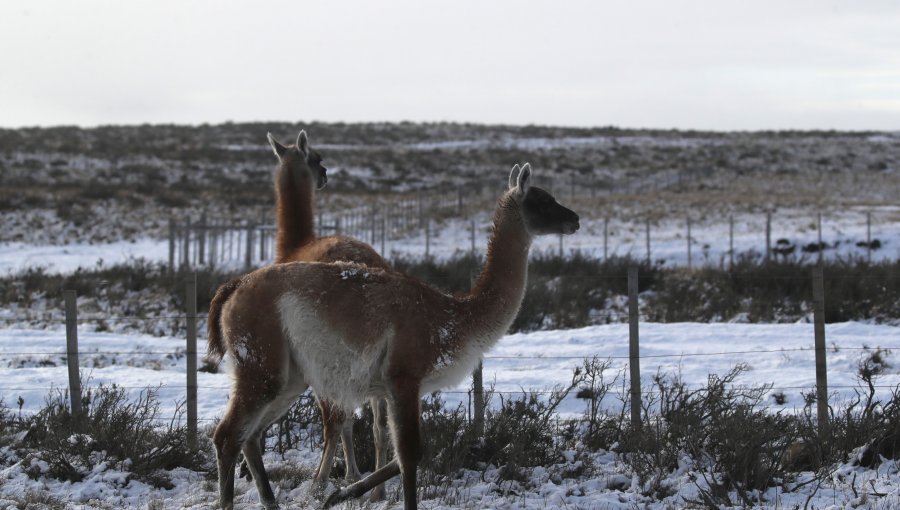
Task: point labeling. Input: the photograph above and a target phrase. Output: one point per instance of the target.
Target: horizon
(698, 65)
(458, 123)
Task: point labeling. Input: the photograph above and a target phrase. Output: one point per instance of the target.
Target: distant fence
(210, 242)
(476, 394)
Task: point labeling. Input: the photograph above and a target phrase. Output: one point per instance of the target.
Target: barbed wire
(199, 317)
(517, 391)
(831, 349)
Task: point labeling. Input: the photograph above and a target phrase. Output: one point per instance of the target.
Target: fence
(634, 356)
(213, 242)
(684, 242)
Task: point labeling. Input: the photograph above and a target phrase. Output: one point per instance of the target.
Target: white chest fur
(334, 369)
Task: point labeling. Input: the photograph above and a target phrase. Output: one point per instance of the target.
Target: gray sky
(719, 64)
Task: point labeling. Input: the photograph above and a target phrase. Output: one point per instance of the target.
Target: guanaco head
(300, 158)
(542, 213)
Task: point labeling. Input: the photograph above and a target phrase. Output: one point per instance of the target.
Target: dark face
(314, 161)
(544, 215)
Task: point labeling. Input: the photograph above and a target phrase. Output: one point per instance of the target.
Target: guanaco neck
(498, 292)
(294, 204)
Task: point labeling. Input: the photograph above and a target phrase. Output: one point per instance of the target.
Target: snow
(62, 259)
(782, 354)
(778, 354)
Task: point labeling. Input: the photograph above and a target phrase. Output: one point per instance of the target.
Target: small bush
(302, 422)
(732, 441)
(449, 437)
(114, 430)
(523, 432)
(867, 420)
(602, 430)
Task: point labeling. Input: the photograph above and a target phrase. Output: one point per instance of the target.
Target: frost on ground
(780, 355)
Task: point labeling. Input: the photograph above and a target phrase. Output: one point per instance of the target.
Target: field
(91, 209)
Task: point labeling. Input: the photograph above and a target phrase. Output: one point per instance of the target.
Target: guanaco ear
(277, 148)
(524, 180)
(303, 143)
(513, 175)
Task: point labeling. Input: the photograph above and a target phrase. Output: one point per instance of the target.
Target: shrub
(303, 421)
(733, 443)
(602, 430)
(113, 430)
(522, 432)
(9, 425)
(867, 420)
(449, 436)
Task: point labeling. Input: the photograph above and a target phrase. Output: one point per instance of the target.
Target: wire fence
(631, 362)
(421, 226)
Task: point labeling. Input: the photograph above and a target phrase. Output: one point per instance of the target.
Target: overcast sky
(719, 64)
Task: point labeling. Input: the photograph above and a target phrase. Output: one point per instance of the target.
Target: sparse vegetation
(562, 292)
(115, 432)
(141, 175)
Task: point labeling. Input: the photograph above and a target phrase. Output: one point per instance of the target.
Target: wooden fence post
(768, 236)
(427, 237)
(263, 236)
(472, 228)
(821, 366)
(186, 245)
(819, 229)
(869, 235)
(171, 244)
(201, 240)
(248, 263)
(191, 308)
(373, 214)
(560, 246)
(419, 207)
(383, 232)
(213, 244)
(648, 242)
(72, 353)
(478, 384)
(605, 239)
(689, 242)
(262, 243)
(634, 353)
(731, 241)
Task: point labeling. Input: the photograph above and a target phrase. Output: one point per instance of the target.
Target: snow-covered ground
(781, 355)
(18, 257)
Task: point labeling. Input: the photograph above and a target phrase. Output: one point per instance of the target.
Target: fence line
(834, 349)
(517, 391)
(210, 242)
(634, 357)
